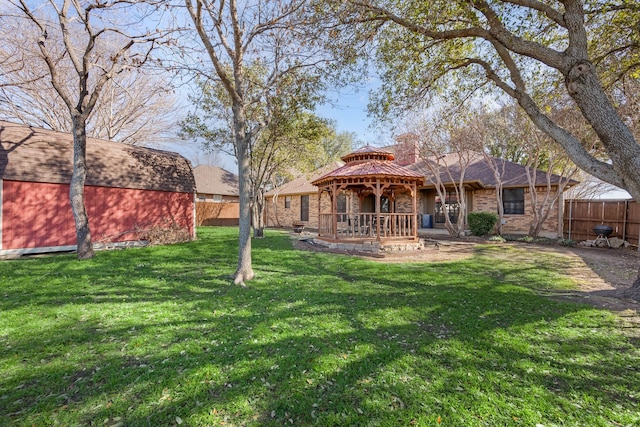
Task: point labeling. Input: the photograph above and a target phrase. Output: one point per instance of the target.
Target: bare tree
(544, 198)
(478, 133)
(84, 31)
(508, 132)
(445, 162)
(136, 106)
(206, 157)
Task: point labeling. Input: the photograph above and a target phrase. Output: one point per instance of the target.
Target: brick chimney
(406, 150)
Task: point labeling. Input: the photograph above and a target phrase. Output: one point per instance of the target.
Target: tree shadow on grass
(317, 339)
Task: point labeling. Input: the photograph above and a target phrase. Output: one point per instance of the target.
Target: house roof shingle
(302, 184)
(39, 155)
(215, 180)
(478, 172)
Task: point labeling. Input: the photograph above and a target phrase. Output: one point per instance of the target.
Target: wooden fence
(217, 213)
(580, 216)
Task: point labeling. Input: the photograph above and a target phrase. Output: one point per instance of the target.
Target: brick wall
(279, 216)
(404, 203)
(485, 201)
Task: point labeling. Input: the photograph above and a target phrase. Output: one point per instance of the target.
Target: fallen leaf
(178, 420)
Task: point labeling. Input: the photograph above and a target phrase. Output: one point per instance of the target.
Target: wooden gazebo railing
(369, 226)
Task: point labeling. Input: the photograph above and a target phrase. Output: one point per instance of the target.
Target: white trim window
(513, 201)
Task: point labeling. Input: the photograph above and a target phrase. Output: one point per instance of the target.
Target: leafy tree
(292, 141)
(86, 52)
(524, 48)
(287, 147)
(236, 38)
(332, 147)
(446, 159)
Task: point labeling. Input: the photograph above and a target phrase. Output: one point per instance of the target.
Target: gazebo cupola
(369, 198)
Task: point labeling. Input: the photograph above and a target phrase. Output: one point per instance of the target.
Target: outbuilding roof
(39, 155)
(215, 180)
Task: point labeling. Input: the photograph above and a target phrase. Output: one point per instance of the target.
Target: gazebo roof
(369, 162)
(369, 153)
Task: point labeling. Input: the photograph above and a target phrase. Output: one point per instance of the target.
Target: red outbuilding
(128, 190)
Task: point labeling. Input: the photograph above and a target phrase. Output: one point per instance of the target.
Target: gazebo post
(414, 209)
(378, 221)
(319, 212)
(334, 211)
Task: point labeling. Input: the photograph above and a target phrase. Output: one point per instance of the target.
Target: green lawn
(160, 336)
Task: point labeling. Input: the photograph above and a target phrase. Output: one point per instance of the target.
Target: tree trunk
(584, 87)
(244, 271)
(258, 214)
(76, 190)
(538, 219)
(535, 227)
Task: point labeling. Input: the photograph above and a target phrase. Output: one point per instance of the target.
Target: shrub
(568, 242)
(162, 234)
(480, 223)
(497, 239)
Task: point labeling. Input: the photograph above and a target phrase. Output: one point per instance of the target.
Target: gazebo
(369, 199)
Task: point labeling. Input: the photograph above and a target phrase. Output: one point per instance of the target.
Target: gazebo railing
(368, 225)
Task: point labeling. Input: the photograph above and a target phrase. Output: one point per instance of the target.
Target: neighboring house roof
(39, 155)
(215, 180)
(479, 173)
(302, 184)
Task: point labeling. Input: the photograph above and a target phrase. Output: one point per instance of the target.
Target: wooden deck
(368, 226)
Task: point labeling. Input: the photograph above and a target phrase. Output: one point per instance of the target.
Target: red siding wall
(39, 214)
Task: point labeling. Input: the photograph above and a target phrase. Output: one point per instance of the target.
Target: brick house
(295, 201)
(479, 192)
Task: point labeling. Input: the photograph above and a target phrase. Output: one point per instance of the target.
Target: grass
(160, 337)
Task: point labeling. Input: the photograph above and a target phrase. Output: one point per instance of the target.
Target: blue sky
(348, 108)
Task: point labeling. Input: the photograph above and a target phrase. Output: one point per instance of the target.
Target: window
(217, 198)
(450, 208)
(202, 198)
(304, 208)
(513, 201)
(384, 204)
(287, 202)
(342, 207)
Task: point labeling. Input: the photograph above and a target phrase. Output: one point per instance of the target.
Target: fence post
(570, 216)
(624, 222)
